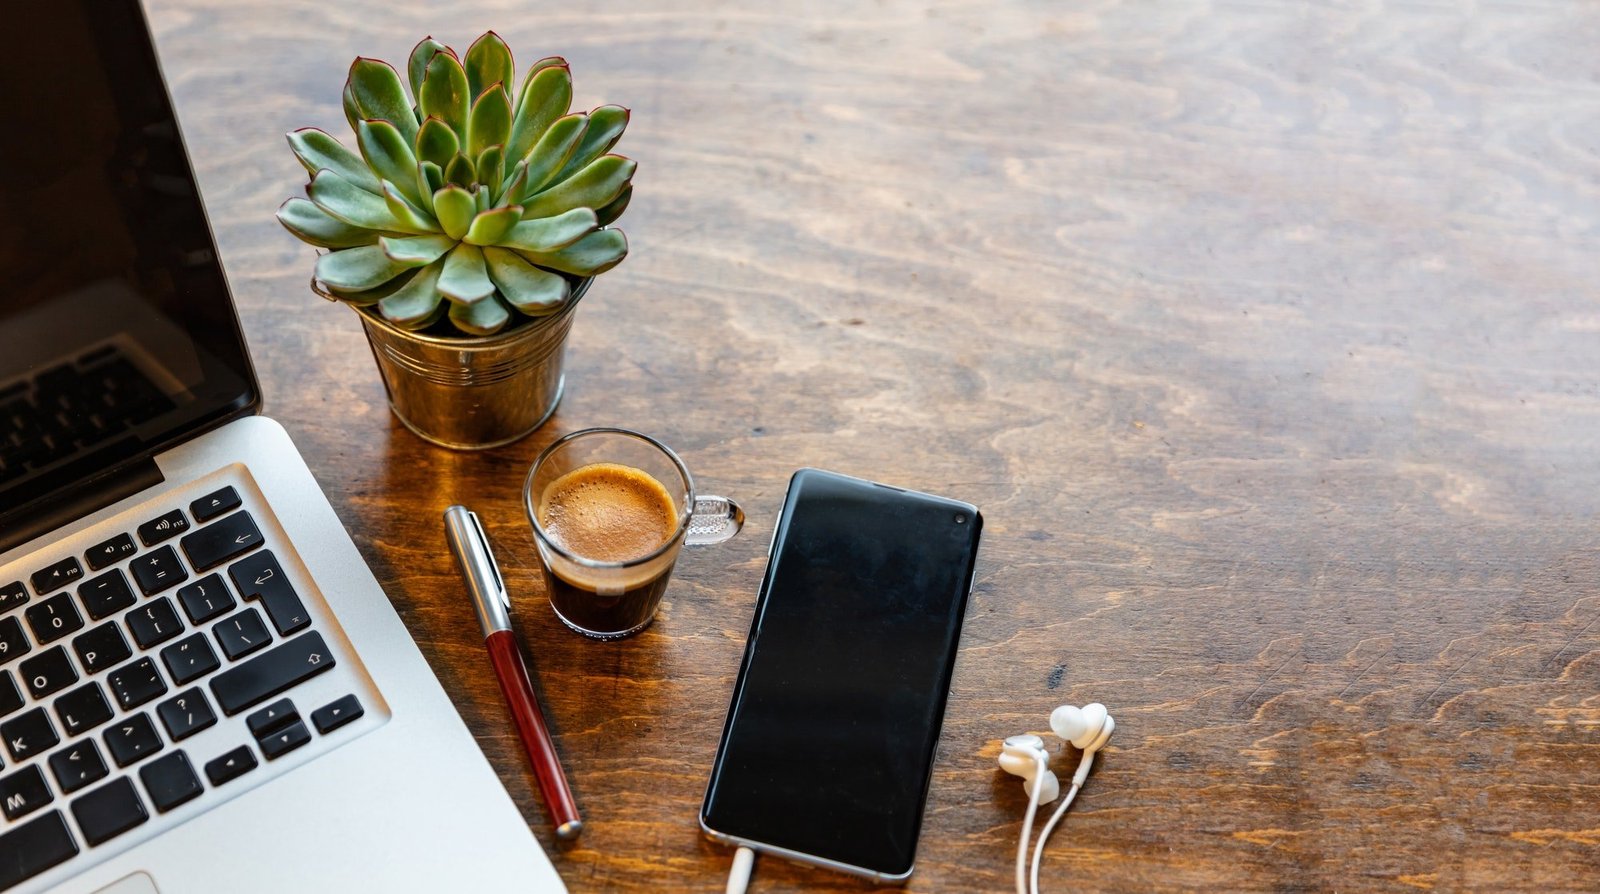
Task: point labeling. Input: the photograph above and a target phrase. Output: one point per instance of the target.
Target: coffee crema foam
(608, 512)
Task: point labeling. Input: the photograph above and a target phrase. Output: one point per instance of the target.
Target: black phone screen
(830, 737)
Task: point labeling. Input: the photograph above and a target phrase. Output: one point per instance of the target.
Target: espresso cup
(610, 510)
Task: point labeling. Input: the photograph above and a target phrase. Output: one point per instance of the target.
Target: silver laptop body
(202, 687)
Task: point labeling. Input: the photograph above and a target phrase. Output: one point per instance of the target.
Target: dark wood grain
(1267, 338)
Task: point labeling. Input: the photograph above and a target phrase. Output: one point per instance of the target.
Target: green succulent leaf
(460, 171)
(352, 112)
(546, 62)
(606, 125)
(389, 156)
(464, 279)
(455, 209)
(416, 304)
(592, 255)
(491, 121)
(444, 92)
(601, 181)
(350, 203)
(378, 93)
(552, 151)
(609, 214)
(491, 169)
(513, 184)
(482, 318)
(312, 224)
(488, 62)
(317, 150)
(355, 269)
(428, 179)
(415, 250)
(546, 96)
(550, 233)
(436, 142)
(481, 197)
(533, 291)
(417, 64)
(365, 297)
(412, 218)
(489, 227)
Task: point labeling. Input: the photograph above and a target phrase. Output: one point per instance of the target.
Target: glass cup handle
(713, 520)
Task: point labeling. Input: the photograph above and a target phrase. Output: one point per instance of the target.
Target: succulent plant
(466, 203)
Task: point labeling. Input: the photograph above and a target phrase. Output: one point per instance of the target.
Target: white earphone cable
(1027, 824)
(1044, 835)
(744, 860)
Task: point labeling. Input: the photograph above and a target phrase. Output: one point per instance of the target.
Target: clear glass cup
(613, 599)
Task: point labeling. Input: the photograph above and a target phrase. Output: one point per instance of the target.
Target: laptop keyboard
(124, 670)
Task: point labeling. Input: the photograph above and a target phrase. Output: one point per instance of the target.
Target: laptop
(202, 686)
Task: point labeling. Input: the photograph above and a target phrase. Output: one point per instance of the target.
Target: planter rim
(457, 342)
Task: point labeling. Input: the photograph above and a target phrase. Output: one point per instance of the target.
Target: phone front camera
(960, 519)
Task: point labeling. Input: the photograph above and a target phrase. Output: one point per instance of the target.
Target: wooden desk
(1267, 340)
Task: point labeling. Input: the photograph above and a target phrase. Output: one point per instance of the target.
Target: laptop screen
(118, 337)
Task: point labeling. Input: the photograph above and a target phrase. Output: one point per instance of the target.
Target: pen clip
(488, 553)
(470, 544)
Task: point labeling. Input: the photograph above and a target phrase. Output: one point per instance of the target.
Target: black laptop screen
(118, 337)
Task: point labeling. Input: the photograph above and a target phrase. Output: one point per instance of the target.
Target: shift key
(271, 672)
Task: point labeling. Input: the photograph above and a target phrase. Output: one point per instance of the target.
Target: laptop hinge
(72, 503)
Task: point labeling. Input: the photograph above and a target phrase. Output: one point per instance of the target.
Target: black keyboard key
(51, 578)
(186, 713)
(284, 740)
(78, 765)
(241, 634)
(23, 792)
(279, 713)
(35, 847)
(106, 595)
(170, 781)
(28, 734)
(189, 659)
(170, 525)
(12, 595)
(222, 540)
(132, 739)
(10, 695)
(214, 504)
(54, 618)
(331, 716)
(83, 709)
(109, 810)
(13, 642)
(136, 683)
(110, 552)
(153, 624)
(206, 599)
(102, 647)
(231, 766)
(156, 571)
(48, 672)
(248, 684)
(260, 577)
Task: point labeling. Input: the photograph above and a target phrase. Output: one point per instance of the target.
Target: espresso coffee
(612, 513)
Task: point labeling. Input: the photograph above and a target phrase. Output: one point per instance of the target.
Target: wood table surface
(1266, 336)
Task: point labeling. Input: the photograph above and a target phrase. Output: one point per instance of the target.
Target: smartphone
(828, 749)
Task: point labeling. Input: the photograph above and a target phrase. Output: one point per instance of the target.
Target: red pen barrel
(515, 684)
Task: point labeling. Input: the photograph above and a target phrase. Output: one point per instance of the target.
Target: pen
(493, 605)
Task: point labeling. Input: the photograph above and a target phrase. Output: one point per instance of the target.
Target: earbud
(1087, 728)
(1025, 756)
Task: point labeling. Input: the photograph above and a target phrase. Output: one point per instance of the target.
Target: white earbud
(1088, 729)
(1025, 756)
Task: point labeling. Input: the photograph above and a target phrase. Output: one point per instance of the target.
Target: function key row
(212, 550)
